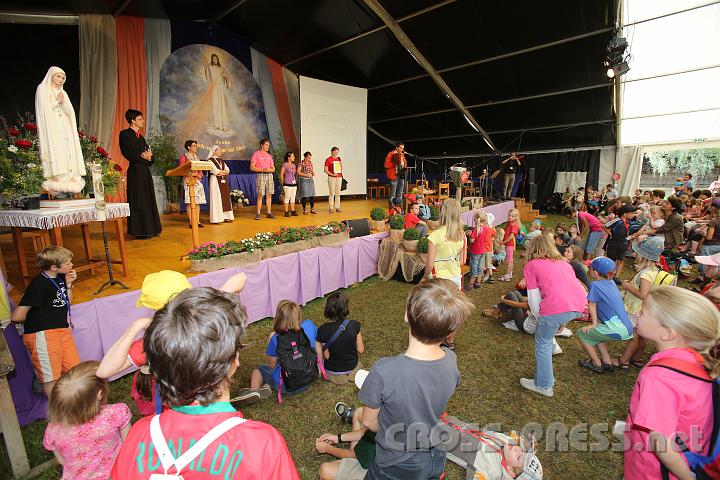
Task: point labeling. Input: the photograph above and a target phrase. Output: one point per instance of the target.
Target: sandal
(618, 364)
(313, 211)
(344, 412)
(492, 313)
(587, 363)
(257, 217)
(637, 363)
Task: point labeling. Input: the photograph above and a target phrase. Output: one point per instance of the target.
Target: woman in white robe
(60, 152)
(220, 204)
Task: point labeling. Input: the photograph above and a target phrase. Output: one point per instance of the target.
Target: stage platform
(164, 252)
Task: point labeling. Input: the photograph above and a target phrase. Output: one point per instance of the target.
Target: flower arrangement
(397, 222)
(377, 214)
(411, 234)
(237, 196)
(264, 240)
(93, 152)
(21, 173)
(422, 245)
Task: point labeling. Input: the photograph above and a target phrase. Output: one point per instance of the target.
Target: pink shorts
(509, 252)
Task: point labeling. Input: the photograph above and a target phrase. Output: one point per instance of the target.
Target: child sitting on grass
(266, 377)
(608, 316)
(84, 432)
(411, 390)
(339, 341)
(672, 398)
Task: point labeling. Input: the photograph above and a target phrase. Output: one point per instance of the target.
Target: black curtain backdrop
(548, 164)
(29, 51)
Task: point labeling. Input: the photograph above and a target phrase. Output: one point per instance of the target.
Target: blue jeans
(591, 241)
(396, 190)
(547, 327)
(416, 465)
(476, 264)
(707, 250)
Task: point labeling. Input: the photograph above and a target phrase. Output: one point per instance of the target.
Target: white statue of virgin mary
(60, 152)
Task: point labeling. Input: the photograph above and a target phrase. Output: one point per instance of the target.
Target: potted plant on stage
(397, 228)
(163, 144)
(21, 173)
(211, 256)
(94, 153)
(377, 219)
(422, 249)
(410, 239)
(434, 221)
(237, 197)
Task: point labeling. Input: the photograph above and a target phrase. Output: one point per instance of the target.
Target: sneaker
(270, 215)
(490, 280)
(294, 213)
(344, 412)
(287, 214)
(246, 396)
(556, 348)
(529, 383)
(511, 325)
(565, 333)
(257, 217)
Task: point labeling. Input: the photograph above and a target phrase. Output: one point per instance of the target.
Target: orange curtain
(283, 104)
(131, 83)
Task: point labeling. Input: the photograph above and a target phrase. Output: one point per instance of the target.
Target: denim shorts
(476, 264)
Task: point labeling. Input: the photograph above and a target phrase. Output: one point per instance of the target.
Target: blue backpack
(705, 467)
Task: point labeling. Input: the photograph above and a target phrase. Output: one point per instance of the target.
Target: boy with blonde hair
(44, 311)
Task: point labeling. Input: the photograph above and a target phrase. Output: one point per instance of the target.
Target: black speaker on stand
(532, 186)
(358, 227)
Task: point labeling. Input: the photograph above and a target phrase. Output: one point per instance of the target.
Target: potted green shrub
(377, 219)
(422, 248)
(434, 221)
(397, 228)
(410, 239)
(165, 157)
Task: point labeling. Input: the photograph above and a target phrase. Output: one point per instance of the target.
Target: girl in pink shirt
(511, 230)
(666, 404)
(84, 432)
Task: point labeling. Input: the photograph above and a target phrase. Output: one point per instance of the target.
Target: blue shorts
(267, 375)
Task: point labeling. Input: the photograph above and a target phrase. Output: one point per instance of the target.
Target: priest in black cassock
(144, 220)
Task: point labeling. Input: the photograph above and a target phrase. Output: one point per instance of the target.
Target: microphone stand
(112, 280)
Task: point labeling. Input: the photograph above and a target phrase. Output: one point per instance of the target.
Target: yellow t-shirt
(632, 303)
(447, 254)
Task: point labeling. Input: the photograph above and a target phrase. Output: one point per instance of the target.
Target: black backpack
(298, 361)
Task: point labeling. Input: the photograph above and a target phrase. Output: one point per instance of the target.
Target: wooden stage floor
(165, 251)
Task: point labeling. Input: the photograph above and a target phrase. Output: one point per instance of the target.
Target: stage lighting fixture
(612, 60)
(617, 45)
(617, 70)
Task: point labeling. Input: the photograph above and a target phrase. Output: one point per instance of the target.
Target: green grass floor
(491, 359)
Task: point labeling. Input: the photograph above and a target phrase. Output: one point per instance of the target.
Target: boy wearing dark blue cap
(609, 319)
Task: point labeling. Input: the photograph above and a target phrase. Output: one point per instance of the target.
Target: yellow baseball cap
(159, 287)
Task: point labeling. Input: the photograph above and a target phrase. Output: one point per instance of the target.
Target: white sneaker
(511, 325)
(556, 348)
(493, 267)
(529, 383)
(565, 333)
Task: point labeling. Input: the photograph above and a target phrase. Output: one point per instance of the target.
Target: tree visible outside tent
(662, 168)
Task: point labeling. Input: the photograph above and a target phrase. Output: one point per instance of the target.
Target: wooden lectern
(185, 170)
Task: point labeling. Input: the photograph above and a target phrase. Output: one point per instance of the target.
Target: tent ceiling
(516, 66)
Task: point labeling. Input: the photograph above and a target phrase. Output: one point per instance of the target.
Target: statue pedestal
(70, 202)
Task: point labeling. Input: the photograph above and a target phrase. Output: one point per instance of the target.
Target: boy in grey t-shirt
(405, 395)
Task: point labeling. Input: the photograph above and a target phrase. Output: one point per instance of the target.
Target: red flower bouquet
(13, 132)
(102, 151)
(30, 127)
(23, 143)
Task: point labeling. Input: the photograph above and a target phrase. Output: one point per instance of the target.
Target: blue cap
(603, 265)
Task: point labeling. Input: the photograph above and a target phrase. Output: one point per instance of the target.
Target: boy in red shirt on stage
(194, 368)
(412, 220)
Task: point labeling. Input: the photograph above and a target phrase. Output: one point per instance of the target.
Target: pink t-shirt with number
(89, 449)
(560, 290)
(594, 224)
(262, 160)
(669, 403)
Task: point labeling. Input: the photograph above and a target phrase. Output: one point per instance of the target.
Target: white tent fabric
(670, 93)
(572, 180)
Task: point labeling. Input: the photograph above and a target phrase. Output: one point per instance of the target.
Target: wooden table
(54, 220)
(8, 416)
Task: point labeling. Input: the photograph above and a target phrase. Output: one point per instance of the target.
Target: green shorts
(602, 333)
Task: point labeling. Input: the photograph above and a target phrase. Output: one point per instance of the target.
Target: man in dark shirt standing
(144, 220)
(509, 167)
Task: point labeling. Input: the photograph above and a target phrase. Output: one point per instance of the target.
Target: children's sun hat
(360, 377)
(650, 248)
(159, 287)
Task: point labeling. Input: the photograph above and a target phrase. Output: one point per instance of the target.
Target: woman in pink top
(666, 403)
(84, 432)
(588, 224)
(555, 296)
